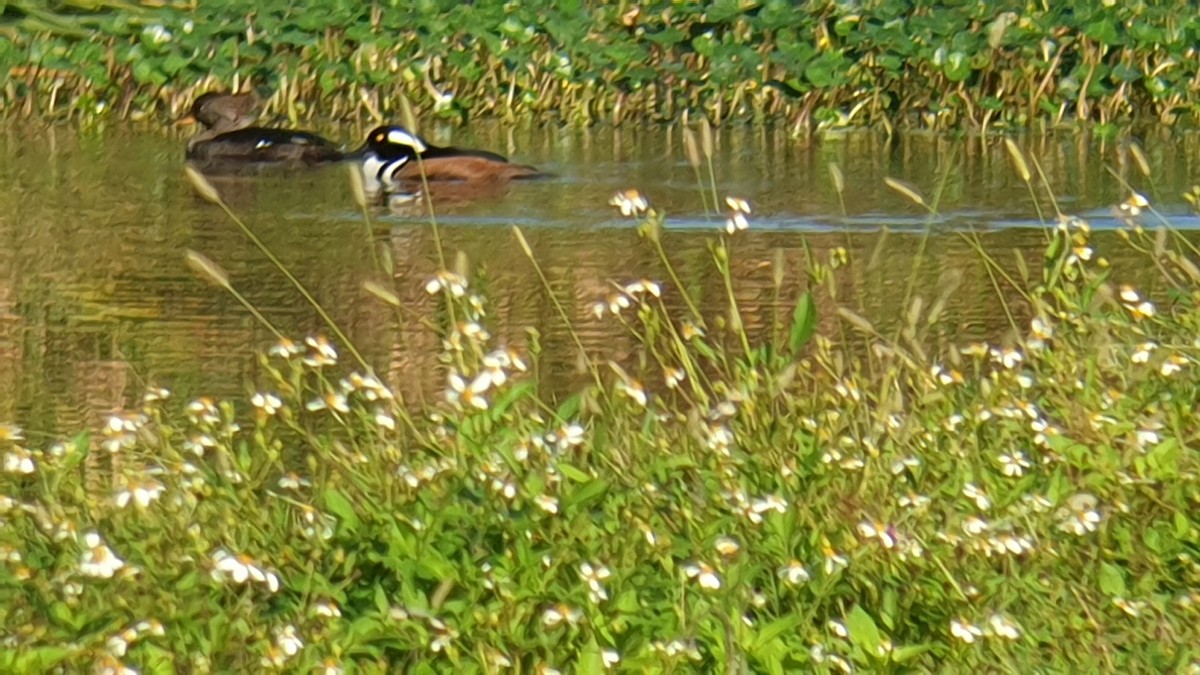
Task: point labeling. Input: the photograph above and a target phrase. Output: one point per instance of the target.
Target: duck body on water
(229, 143)
(393, 160)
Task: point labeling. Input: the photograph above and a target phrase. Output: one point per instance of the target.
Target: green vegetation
(837, 498)
(818, 62)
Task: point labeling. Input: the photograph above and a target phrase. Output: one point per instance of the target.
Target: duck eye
(379, 138)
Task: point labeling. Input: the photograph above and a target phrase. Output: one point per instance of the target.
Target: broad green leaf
(574, 474)
(863, 631)
(776, 628)
(1112, 580)
(340, 506)
(909, 652)
(587, 493)
(590, 660)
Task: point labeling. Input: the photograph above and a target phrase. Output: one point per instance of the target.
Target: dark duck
(229, 142)
(394, 158)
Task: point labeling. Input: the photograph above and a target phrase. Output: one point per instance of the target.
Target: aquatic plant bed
(837, 498)
(814, 63)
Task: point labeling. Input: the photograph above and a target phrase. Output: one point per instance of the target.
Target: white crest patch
(399, 137)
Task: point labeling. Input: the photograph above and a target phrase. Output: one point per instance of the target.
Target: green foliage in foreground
(817, 62)
(882, 502)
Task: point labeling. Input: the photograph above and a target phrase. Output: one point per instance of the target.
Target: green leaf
(61, 614)
(1182, 525)
(776, 628)
(340, 506)
(590, 660)
(1112, 580)
(863, 631)
(590, 492)
(888, 614)
(957, 67)
(574, 474)
(804, 322)
(39, 659)
(909, 652)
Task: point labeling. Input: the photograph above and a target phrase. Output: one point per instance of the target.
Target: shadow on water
(96, 303)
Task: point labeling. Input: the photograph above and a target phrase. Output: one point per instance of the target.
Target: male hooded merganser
(390, 163)
(229, 142)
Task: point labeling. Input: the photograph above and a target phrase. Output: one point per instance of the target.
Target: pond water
(96, 302)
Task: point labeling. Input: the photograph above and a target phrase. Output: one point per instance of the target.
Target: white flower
(1133, 608)
(974, 525)
(876, 530)
(557, 614)
(1009, 358)
(594, 576)
(643, 287)
(288, 642)
(11, 433)
(1143, 351)
(794, 573)
(20, 461)
(98, 560)
(673, 376)
(334, 401)
(241, 568)
(269, 404)
(971, 491)
(634, 390)
(449, 281)
(738, 210)
(157, 34)
(629, 202)
(1173, 364)
(286, 349)
(913, 500)
(292, 481)
(704, 574)
(727, 546)
(1004, 627)
(769, 503)
(610, 657)
(1014, 464)
(965, 631)
(547, 503)
(320, 352)
(327, 609)
(1080, 516)
(472, 394)
(834, 561)
(141, 493)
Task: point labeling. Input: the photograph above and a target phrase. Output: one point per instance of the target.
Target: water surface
(96, 303)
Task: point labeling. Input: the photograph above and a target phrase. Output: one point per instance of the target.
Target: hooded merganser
(389, 163)
(229, 142)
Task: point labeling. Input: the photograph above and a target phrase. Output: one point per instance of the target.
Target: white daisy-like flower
(630, 202)
(288, 641)
(141, 493)
(547, 503)
(19, 461)
(794, 573)
(241, 569)
(98, 560)
(1004, 627)
(965, 631)
(704, 575)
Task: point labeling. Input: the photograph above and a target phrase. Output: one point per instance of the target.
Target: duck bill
(185, 121)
